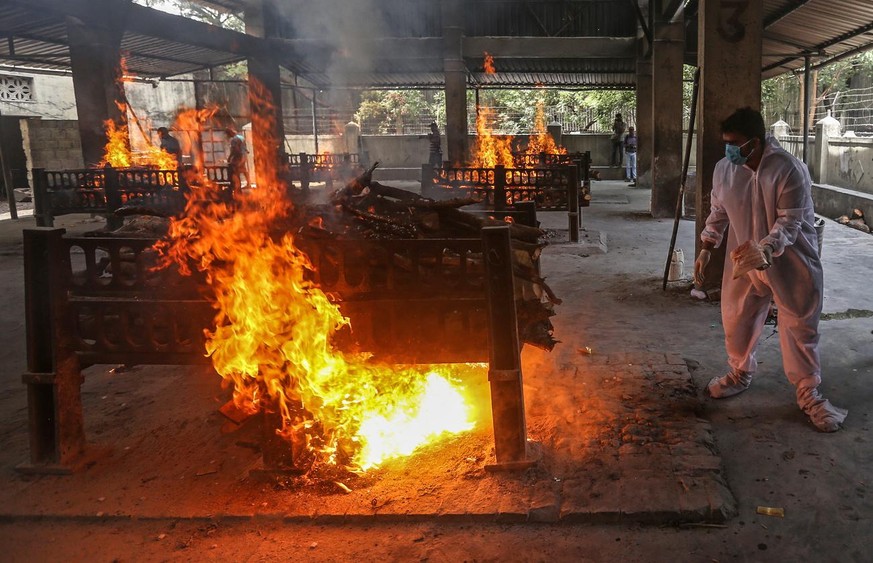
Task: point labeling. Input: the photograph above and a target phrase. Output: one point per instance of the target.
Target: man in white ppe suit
(764, 193)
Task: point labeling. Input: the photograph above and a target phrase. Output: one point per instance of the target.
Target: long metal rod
(681, 198)
(314, 122)
(7, 178)
(807, 102)
(647, 31)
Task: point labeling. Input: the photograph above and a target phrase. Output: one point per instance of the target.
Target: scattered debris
(342, 487)
(856, 221)
(771, 511)
(207, 472)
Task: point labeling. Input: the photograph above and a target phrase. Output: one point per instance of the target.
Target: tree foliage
(399, 111)
(393, 111)
(199, 12)
(782, 96)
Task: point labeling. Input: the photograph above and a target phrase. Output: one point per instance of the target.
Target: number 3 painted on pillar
(730, 28)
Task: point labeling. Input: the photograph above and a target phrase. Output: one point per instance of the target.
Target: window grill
(16, 88)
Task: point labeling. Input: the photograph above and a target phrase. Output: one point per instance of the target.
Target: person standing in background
(237, 158)
(435, 156)
(630, 150)
(170, 144)
(618, 129)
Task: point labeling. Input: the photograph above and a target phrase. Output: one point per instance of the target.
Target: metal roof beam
(848, 54)
(824, 45)
(551, 47)
(784, 12)
(670, 9)
(154, 23)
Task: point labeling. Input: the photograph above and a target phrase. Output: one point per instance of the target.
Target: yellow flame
(399, 433)
(490, 150)
(116, 153)
(488, 64)
(274, 331)
(540, 140)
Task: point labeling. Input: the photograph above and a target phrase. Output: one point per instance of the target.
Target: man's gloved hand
(700, 266)
(768, 255)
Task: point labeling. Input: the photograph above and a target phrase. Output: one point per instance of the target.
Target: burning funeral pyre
(275, 331)
(284, 344)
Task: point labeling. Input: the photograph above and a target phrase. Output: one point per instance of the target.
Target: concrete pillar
(780, 129)
(456, 81)
(352, 137)
(729, 56)
(95, 59)
(645, 115)
(667, 57)
(556, 131)
(265, 92)
(824, 129)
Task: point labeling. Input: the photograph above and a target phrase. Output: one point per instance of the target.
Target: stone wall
(832, 202)
(850, 164)
(51, 97)
(52, 144)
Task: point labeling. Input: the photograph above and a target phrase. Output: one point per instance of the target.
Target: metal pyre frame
(306, 168)
(502, 189)
(132, 314)
(102, 191)
(582, 161)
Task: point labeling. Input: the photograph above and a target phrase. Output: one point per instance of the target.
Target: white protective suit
(772, 205)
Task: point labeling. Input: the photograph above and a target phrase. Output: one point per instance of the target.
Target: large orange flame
(489, 150)
(192, 122)
(540, 141)
(118, 153)
(117, 150)
(274, 330)
(488, 64)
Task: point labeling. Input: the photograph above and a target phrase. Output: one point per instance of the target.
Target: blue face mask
(734, 153)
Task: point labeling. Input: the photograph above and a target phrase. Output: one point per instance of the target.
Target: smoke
(347, 26)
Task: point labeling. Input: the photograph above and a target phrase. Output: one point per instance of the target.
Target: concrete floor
(613, 303)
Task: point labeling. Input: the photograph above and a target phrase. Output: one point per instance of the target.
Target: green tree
(196, 11)
(400, 111)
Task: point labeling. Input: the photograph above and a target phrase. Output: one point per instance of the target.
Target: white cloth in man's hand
(747, 257)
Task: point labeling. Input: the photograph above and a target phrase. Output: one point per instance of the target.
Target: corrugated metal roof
(838, 27)
(37, 39)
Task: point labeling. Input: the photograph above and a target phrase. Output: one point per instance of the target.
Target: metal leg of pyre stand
(280, 456)
(504, 374)
(54, 377)
(575, 212)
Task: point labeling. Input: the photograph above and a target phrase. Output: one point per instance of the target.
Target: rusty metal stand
(305, 172)
(113, 198)
(575, 212)
(54, 377)
(499, 188)
(41, 202)
(504, 374)
(281, 457)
